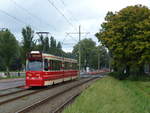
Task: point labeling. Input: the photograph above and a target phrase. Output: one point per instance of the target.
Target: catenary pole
(79, 33)
(79, 49)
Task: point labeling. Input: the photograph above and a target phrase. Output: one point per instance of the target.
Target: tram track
(11, 85)
(12, 88)
(44, 101)
(12, 96)
(15, 103)
(71, 99)
(61, 107)
(12, 92)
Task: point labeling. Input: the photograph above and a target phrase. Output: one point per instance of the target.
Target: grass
(110, 95)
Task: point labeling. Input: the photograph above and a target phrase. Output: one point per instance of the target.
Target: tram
(46, 69)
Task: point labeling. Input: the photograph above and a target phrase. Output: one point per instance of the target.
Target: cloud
(87, 13)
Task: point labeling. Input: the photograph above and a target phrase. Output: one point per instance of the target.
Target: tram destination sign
(35, 56)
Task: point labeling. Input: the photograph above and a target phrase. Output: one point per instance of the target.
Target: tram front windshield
(34, 65)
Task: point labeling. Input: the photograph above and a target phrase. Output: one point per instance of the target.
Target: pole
(79, 33)
(79, 49)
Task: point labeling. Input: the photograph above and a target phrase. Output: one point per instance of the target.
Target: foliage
(43, 46)
(109, 95)
(9, 49)
(28, 42)
(13, 55)
(89, 54)
(54, 47)
(126, 34)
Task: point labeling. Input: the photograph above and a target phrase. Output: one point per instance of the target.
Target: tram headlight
(38, 75)
(29, 75)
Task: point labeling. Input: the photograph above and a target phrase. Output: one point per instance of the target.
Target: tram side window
(70, 65)
(45, 64)
(75, 66)
(67, 65)
(50, 65)
(59, 65)
(55, 65)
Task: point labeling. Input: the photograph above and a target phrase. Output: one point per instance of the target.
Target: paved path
(11, 83)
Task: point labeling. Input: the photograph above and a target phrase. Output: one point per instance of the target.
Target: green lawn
(110, 95)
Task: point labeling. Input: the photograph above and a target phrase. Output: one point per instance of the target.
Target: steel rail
(12, 88)
(11, 93)
(31, 93)
(18, 97)
(61, 107)
(43, 101)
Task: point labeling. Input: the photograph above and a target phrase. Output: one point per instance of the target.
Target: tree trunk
(7, 72)
(149, 69)
(127, 70)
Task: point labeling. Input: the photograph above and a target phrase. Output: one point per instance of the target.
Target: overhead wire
(32, 15)
(63, 3)
(15, 18)
(72, 37)
(24, 23)
(61, 13)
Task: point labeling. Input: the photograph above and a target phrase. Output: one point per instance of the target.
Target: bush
(118, 75)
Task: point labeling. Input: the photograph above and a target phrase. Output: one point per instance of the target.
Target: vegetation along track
(51, 98)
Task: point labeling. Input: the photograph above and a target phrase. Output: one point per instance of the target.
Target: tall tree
(44, 44)
(28, 42)
(9, 49)
(53, 47)
(52, 42)
(59, 46)
(126, 35)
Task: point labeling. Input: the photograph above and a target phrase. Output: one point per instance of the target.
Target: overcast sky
(60, 17)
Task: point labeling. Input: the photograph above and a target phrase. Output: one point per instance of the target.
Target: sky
(59, 17)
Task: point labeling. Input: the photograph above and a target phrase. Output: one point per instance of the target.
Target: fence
(3, 74)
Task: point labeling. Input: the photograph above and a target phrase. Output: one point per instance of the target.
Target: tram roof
(53, 57)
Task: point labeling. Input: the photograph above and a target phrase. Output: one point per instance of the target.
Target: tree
(89, 53)
(9, 49)
(126, 35)
(52, 46)
(56, 48)
(87, 46)
(44, 44)
(99, 58)
(52, 42)
(28, 42)
(59, 46)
